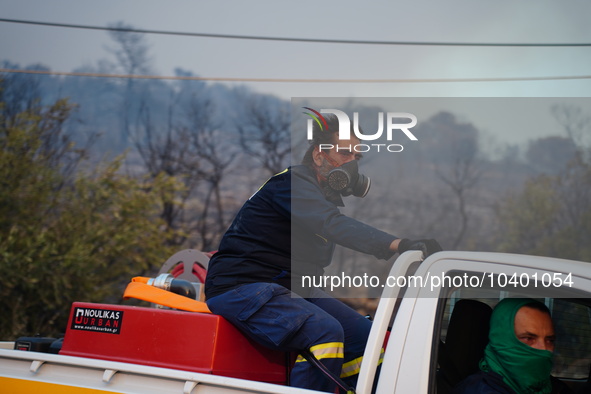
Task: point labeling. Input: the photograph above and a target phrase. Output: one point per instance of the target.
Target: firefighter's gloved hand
(427, 246)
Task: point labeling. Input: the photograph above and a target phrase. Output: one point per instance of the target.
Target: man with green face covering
(518, 357)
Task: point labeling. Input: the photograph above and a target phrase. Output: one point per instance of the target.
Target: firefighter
(288, 230)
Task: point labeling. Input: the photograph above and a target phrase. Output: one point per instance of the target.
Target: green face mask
(525, 369)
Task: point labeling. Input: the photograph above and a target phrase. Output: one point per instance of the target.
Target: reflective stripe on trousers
(274, 316)
(325, 350)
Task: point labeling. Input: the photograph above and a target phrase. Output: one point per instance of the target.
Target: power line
(292, 80)
(290, 39)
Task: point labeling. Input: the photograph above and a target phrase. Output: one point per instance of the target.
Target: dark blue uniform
(492, 383)
(288, 229)
(283, 231)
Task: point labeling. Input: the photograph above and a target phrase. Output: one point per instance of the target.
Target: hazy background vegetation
(105, 178)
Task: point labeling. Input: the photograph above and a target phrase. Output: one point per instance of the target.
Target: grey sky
(65, 49)
(450, 20)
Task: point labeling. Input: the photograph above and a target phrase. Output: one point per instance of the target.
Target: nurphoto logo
(395, 122)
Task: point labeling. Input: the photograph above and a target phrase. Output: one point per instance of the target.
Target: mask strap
(332, 161)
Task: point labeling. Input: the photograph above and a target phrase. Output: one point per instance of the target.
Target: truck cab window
(463, 334)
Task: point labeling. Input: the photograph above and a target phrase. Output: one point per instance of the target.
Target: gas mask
(347, 180)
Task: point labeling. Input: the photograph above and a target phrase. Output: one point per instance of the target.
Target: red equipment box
(199, 342)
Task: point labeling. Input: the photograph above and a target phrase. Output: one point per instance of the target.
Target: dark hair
(538, 306)
(319, 136)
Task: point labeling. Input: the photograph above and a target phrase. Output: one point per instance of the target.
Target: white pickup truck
(436, 313)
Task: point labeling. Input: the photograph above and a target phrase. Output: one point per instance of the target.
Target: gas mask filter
(347, 180)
